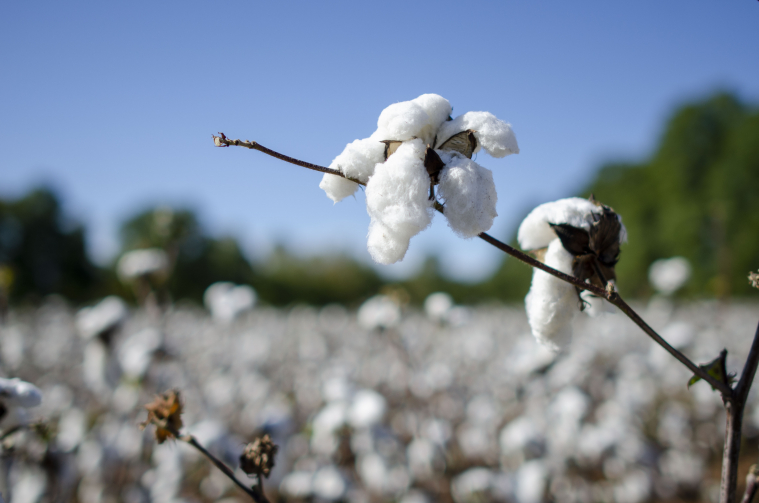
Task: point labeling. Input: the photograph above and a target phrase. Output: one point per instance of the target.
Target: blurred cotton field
(385, 404)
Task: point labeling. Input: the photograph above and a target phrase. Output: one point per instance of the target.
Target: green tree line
(696, 196)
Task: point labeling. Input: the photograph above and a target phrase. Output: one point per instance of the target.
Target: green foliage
(44, 252)
(696, 197)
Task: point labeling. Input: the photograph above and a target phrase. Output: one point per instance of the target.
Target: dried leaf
(165, 412)
(433, 164)
(390, 147)
(464, 143)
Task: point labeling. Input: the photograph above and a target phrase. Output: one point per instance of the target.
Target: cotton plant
(576, 236)
(417, 146)
(420, 160)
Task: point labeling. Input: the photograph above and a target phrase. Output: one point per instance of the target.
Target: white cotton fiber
(397, 200)
(492, 134)
(420, 118)
(469, 194)
(551, 302)
(358, 158)
(534, 232)
(337, 187)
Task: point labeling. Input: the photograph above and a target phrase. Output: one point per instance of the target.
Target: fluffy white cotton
(226, 300)
(535, 231)
(469, 194)
(668, 275)
(418, 118)
(397, 202)
(368, 408)
(551, 302)
(17, 393)
(493, 135)
(437, 306)
(138, 263)
(337, 187)
(379, 312)
(104, 316)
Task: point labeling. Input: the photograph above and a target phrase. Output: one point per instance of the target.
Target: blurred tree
(696, 197)
(43, 252)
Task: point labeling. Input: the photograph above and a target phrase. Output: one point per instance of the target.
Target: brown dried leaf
(165, 413)
(464, 143)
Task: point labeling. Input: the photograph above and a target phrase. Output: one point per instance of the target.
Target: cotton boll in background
(469, 194)
(551, 303)
(226, 300)
(493, 135)
(669, 275)
(147, 261)
(105, 316)
(379, 311)
(437, 306)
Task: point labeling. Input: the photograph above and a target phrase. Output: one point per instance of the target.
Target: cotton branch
(608, 293)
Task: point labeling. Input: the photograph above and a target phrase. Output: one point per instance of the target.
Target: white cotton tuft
(534, 232)
(397, 202)
(668, 275)
(420, 118)
(493, 135)
(438, 109)
(469, 194)
(142, 262)
(358, 158)
(337, 187)
(551, 302)
(17, 393)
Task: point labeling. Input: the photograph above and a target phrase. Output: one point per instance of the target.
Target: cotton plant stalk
(575, 242)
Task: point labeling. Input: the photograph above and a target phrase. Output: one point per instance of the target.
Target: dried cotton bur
(165, 413)
(258, 457)
(580, 237)
(418, 145)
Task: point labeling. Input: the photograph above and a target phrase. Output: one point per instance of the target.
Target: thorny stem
(609, 294)
(257, 493)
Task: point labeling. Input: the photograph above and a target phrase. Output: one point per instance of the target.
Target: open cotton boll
(438, 110)
(397, 198)
(535, 231)
(403, 121)
(142, 262)
(668, 275)
(359, 157)
(385, 246)
(337, 187)
(469, 194)
(551, 302)
(492, 134)
(17, 393)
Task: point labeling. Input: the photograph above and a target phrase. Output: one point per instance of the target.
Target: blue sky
(114, 104)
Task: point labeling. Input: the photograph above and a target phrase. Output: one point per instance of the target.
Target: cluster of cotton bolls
(387, 403)
(417, 145)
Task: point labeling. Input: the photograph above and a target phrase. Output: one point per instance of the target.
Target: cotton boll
(551, 302)
(385, 246)
(17, 393)
(226, 300)
(379, 311)
(469, 194)
(438, 110)
(668, 275)
(105, 315)
(492, 134)
(136, 263)
(359, 158)
(437, 305)
(397, 198)
(402, 121)
(535, 231)
(368, 408)
(337, 187)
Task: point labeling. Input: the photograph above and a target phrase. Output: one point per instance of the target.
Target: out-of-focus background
(415, 382)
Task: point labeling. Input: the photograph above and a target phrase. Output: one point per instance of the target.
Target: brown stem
(223, 141)
(256, 494)
(608, 294)
(733, 427)
(752, 484)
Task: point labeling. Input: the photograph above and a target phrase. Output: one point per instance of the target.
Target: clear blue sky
(114, 103)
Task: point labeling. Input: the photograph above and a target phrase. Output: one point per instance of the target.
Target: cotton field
(389, 403)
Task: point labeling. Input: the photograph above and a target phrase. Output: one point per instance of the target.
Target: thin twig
(752, 484)
(610, 295)
(257, 495)
(749, 371)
